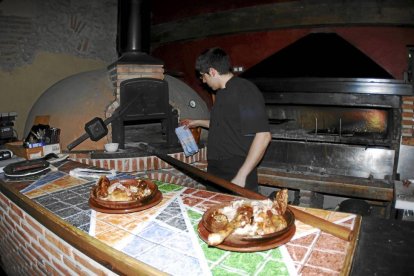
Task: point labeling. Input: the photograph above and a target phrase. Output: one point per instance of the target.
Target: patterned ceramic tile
(114, 237)
(206, 204)
(223, 198)
(306, 241)
(189, 191)
(203, 194)
(222, 262)
(67, 212)
(191, 201)
(80, 220)
(329, 242)
(297, 253)
(50, 183)
(99, 227)
(167, 238)
(137, 246)
(327, 260)
(166, 235)
(311, 270)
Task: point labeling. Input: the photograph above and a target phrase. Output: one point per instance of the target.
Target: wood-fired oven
(137, 100)
(145, 102)
(335, 122)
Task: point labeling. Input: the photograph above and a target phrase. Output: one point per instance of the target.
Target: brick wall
(138, 164)
(120, 72)
(28, 248)
(151, 166)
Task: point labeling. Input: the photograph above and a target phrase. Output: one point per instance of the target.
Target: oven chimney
(134, 32)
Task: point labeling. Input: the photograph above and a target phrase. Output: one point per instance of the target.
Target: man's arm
(257, 149)
(195, 123)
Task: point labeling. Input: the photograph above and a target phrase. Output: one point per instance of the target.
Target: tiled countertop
(166, 236)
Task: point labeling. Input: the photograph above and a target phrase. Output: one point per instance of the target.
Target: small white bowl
(111, 147)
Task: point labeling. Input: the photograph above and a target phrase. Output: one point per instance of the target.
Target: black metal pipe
(134, 26)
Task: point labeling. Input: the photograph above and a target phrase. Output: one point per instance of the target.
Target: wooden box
(32, 153)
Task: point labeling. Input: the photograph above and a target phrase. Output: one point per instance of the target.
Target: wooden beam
(292, 14)
(365, 189)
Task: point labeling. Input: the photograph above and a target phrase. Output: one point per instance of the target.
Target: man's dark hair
(215, 58)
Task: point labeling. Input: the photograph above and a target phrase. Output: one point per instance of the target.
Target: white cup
(111, 147)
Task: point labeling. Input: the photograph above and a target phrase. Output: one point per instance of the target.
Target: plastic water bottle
(187, 140)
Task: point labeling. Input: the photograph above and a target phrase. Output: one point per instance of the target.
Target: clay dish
(125, 204)
(212, 226)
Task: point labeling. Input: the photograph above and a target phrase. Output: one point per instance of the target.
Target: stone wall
(45, 41)
(85, 29)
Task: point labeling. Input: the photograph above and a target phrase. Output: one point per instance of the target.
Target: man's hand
(256, 152)
(239, 181)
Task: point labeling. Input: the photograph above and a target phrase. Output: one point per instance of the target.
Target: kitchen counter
(49, 226)
(385, 247)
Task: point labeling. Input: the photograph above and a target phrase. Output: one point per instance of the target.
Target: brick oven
(141, 92)
(137, 100)
(142, 112)
(143, 109)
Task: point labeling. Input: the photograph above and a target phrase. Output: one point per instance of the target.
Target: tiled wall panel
(407, 128)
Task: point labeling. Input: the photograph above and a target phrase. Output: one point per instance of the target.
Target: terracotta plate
(121, 205)
(288, 216)
(249, 246)
(103, 209)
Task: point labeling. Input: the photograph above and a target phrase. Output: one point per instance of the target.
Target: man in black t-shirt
(238, 127)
